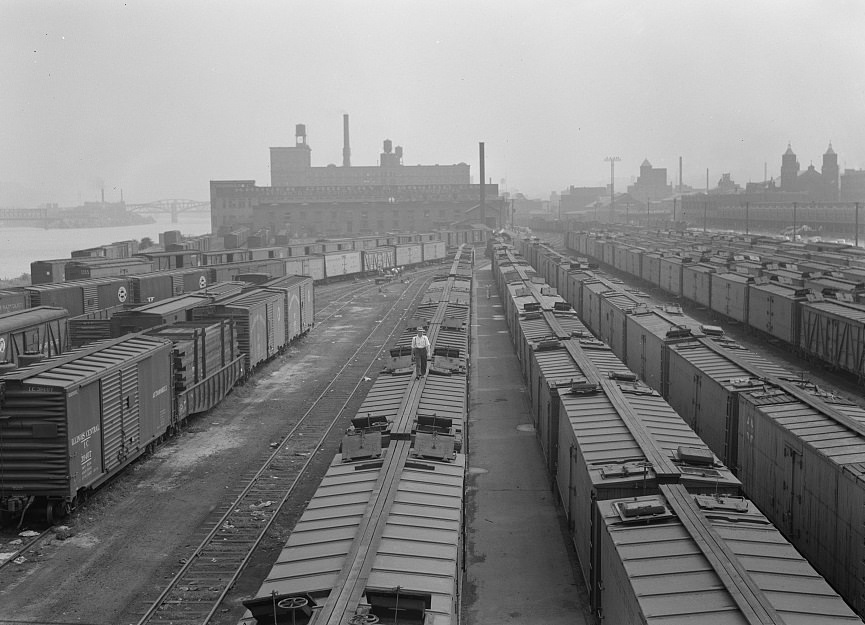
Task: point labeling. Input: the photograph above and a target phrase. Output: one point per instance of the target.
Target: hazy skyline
(158, 98)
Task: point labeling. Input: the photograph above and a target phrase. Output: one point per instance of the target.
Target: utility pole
(857, 224)
(612, 160)
(794, 222)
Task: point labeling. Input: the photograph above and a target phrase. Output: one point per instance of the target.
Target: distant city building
(822, 186)
(580, 199)
(651, 184)
(853, 185)
(292, 167)
(726, 185)
(307, 201)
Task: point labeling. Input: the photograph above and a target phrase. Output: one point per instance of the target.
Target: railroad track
(340, 296)
(195, 593)
(26, 546)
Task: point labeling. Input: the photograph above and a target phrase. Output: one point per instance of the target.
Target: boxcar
(151, 287)
(48, 271)
(70, 423)
(649, 332)
(343, 264)
(408, 254)
(81, 296)
(613, 445)
(164, 261)
(312, 266)
(168, 311)
(433, 251)
(297, 292)
(834, 332)
(41, 330)
(12, 300)
(704, 378)
(378, 259)
(801, 458)
(730, 295)
(671, 273)
(83, 269)
(774, 308)
(259, 316)
(676, 557)
(697, 283)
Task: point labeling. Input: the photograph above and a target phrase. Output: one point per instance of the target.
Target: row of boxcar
(813, 307)
(380, 541)
(660, 529)
(71, 422)
(324, 260)
(797, 449)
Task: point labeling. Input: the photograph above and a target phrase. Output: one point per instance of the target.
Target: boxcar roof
(79, 367)
(419, 547)
(15, 320)
(679, 576)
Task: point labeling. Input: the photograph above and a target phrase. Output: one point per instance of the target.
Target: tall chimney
(483, 189)
(346, 150)
(680, 173)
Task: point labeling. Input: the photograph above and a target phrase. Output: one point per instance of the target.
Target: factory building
(307, 201)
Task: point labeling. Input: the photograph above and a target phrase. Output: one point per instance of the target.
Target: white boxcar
(342, 264)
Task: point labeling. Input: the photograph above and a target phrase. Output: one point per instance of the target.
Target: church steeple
(789, 170)
(831, 175)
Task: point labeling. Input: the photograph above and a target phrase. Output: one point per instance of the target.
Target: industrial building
(307, 201)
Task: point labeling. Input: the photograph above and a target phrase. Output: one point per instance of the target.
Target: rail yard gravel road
(131, 536)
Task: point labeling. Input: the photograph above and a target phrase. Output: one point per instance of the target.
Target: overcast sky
(159, 97)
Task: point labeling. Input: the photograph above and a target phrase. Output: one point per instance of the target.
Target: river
(21, 246)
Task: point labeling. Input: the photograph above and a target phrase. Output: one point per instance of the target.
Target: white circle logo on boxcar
(121, 294)
(202, 282)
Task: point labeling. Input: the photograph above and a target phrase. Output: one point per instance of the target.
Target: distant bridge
(169, 206)
(25, 214)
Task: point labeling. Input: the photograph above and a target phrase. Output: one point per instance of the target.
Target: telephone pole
(612, 160)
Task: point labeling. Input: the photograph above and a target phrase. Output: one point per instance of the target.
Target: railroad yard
(530, 477)
(133, 536)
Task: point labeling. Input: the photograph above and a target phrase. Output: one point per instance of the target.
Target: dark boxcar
(151, 287)
(163, 261)
(259, 317)
(167, 311)
(12, 300)
(81, 296)
(40, 330)
(48, 271)
(299, 304)
(73, 422)
(106, 268)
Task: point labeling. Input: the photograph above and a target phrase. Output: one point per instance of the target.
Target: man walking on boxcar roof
(421, 350)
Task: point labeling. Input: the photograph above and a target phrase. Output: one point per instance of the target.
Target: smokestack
(680, 174)
(346, 149)
(483, 189)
